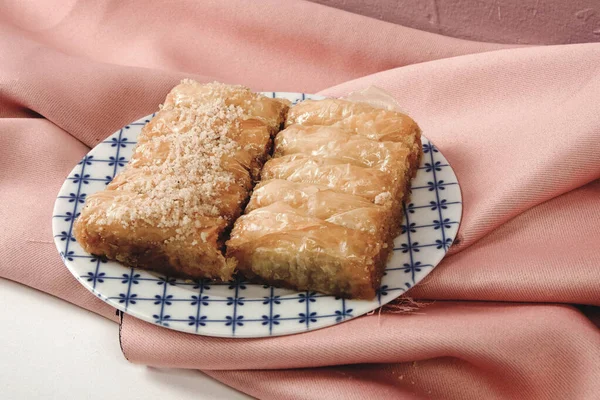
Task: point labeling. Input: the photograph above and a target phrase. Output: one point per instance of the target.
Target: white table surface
(51, 349)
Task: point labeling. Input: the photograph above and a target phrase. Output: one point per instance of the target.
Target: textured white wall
(500, 21)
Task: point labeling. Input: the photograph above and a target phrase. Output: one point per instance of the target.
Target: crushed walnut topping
(185, 164)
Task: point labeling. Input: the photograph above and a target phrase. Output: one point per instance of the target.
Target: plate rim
(146, 318)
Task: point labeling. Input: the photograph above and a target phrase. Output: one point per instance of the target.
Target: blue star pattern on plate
(242, 309)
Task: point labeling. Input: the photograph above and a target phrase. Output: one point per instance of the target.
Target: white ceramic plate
(240, 309)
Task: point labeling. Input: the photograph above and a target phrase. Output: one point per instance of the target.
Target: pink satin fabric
(520, 126)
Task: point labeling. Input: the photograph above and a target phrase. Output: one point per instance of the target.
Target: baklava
(171, 208)
(329, 203)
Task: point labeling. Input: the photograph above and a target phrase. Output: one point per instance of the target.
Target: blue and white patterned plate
(240, 309)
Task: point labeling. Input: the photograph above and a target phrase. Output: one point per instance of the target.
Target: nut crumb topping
(185, 165)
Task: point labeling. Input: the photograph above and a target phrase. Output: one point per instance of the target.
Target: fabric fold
(426, 355)
(371, 339)
(521, 117)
